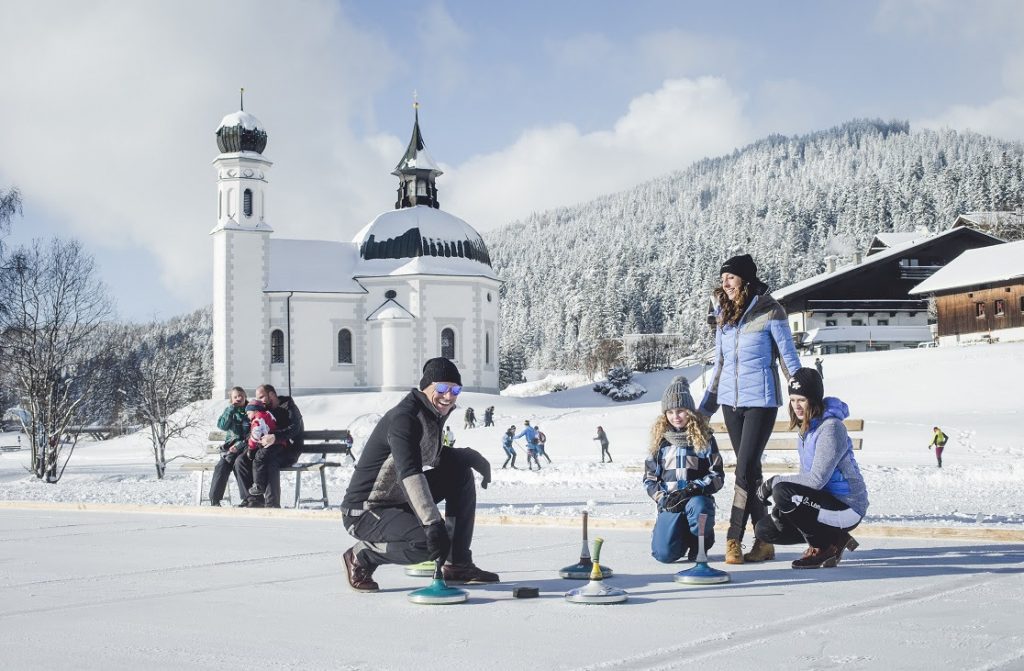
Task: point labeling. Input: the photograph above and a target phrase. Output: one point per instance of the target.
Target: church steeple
(416, 172)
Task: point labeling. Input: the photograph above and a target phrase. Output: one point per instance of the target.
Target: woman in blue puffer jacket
(751, 335)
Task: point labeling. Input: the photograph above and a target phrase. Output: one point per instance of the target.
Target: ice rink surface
(233, 589)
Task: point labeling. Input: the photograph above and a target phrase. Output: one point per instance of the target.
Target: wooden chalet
(867, 305)
(979, 296)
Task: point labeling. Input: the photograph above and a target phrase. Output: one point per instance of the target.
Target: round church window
(390, 293)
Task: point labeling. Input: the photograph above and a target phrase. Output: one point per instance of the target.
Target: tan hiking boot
(733, 552)
(760, 552)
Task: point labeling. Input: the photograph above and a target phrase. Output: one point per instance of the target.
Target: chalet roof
(998, 263)
(921, 239)
(985, 220)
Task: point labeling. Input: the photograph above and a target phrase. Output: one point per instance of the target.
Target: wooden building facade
(981, 310)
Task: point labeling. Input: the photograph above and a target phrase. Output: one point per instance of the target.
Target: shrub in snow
(619, 385)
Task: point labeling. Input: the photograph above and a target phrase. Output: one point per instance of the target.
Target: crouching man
(391, 503)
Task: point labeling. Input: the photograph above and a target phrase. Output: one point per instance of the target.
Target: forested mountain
(645, 260)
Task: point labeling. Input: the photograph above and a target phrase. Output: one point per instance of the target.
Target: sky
(108, 109)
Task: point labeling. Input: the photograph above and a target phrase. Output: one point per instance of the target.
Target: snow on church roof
(997, 263)
(315, 266)
(240, 118)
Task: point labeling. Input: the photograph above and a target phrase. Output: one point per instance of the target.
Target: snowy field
(973, 393)
(90, 579)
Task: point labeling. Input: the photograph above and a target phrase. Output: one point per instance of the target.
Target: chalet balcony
(917, 273)
(871, 305)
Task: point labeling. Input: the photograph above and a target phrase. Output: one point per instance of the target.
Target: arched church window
(487, 347)
(344, 346)
(247, 202)
(421, 188)
(448, 343)
(277, 346)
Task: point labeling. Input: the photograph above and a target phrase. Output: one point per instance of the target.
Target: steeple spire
(416, 171)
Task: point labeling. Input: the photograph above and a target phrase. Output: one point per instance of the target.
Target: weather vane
(241, 98)
(415, 100)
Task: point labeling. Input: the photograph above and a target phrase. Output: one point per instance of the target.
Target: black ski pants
(749, 431)
(394, 535)
(221, 473)
(805, 515)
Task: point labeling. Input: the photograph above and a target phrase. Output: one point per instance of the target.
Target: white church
(326, 316)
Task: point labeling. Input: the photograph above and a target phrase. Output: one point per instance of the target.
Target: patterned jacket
(675, 466)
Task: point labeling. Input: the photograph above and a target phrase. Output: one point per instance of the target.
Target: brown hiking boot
(826, 557)
(760, 552)
(359, 578)
(467, 573)
(733, 552)
(847, 542)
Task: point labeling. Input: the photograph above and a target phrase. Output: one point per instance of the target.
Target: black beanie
(741, 266)
(806, 382)
(439, 369)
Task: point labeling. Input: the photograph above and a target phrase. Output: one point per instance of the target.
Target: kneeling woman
(682, 472)
(827, 498)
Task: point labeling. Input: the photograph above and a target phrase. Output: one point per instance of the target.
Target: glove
(438, 542)
(709, 404)
(674, 502)
(764, 492)
(477, 462)
(693, 489)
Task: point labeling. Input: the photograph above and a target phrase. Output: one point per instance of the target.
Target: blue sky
(108, 109)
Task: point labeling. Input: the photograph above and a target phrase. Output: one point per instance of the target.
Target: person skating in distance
(391, 503)
(827, 499)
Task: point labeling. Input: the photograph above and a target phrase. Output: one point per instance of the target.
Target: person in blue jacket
(827, 499)
(506, 444)
(751, 335)
(530, 434)
(682, 472)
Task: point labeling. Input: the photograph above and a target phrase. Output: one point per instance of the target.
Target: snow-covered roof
(830, 334)
(878, 257)
(444, 243)
(240, 118)
(424, 265)
(890, 239)
(997, 263)
(316, 266)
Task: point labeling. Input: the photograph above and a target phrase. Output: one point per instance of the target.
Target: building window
(1000, 308)
(487, 348)
(796, 327)
(247, 202)
(277, 346)
(830, 322)
(856, 322)
(1022, 303)
(344, 346)
(883, 322)
(979, 310)
(448, 343)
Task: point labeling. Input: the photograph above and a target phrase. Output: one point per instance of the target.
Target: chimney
(830, 264)
(858, 257)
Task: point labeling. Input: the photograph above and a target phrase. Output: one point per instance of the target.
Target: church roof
(439, 239)
(314, 266)
(416, 156)
(241, 131)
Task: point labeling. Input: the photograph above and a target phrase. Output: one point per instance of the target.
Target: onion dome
(241, 131)
(421, 231)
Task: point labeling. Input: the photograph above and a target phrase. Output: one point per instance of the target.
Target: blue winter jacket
(745, 375)
(826, 459)
(530, 433)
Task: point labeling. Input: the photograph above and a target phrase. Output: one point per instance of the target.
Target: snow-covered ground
(88, 580)
(973, 393)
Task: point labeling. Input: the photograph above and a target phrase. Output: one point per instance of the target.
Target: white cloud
(1003, 118)
(108, 113)
(683, 121)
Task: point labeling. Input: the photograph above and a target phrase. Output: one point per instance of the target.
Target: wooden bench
(317, 442)
(784, 439)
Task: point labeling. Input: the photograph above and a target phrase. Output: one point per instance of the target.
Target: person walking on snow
(681, 474)
(542, 445)
(752, 334)
(530, 434)
(939, 440)
(390, 506)
(449, 437)
(470, 419)
(602, 437)
(827, 499)
(489, 416)
(506, 444)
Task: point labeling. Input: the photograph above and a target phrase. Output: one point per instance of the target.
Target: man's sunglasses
(444, 388)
